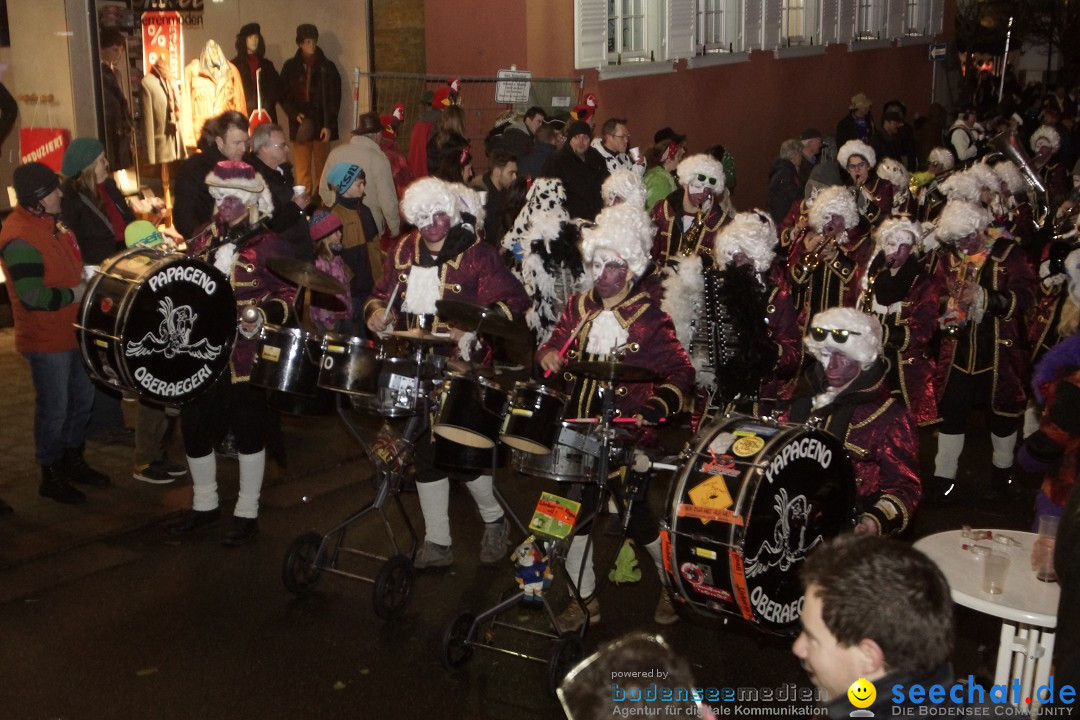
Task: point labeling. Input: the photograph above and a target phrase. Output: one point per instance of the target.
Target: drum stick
(566, 345)
(390, 303)
(593, 421)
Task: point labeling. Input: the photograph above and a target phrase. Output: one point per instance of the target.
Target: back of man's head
(499, 159)
(545, 134)
(534, 111)
(882, 589)
(218, 127)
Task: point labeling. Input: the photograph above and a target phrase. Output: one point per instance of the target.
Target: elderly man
(224, 137)
(849, 397)
(811, 139)
(609, 152)
(363, 150)
(785, 188)
(581, 180)
(846, 636)
(270, 157)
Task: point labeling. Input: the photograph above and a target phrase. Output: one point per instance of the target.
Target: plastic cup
(299, 189)
(995, 568)
(635, 153)
(1042, 553)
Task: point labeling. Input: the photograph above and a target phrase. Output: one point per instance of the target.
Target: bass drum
(749, 502)
(159, 324)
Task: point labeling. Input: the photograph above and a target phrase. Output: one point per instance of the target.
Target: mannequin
(251, 58)
(212, 85)
(161, 115)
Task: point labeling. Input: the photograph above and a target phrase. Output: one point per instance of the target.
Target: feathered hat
(1045, 135)
(426, 197)
(961, 219)
(895, 172)
(856, 147)
(623, 231)
(235, 178)
(585, 109)
(942, 157)
(446, 95)
(834, 200)
(1009, 174)
(392, 121)
(625, 185)
(701, 164)
(753, 234)
(862, 343)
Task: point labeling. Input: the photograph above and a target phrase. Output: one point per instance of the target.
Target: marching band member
(904, 203)
(1045, 143)
(688, 220)
(240, 249)
(614, 318)
(850, 398)
(1014, 193)
(873, 195)
(981, 361)
(443, 258)
(905, 296)
(929, 198)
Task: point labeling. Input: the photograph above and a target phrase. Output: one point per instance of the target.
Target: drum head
(751, 503)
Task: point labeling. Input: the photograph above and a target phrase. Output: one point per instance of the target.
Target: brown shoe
(573, 617)
(665, 609)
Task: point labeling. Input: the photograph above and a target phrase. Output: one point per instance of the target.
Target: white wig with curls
(701, 164)
(835, 200)
(895, 172)
(625, 231)
(468, 201)
(942, 157)
(625, 185)
(986, 177)
(1045, 135)
(961, 219)
(898, 230)
(863, 344)
(856, 147)
(962, 186)
(1009, 174)
(428, 196)
(751, 233)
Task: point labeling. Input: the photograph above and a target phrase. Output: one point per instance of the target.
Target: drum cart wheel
(301, 570)
(566, 653)
(393, 587)
(457, 647)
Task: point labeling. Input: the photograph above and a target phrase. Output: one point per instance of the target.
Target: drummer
(443, 257)
(240, 249)
(850, 398)
(618, 320)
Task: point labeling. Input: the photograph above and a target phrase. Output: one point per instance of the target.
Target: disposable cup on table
(1042, 553)
(995, 568)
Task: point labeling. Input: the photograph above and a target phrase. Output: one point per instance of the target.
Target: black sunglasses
(838, 335)
(706, 178)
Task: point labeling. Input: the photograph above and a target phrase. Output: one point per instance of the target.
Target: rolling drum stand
(468, 630)
(311, 554)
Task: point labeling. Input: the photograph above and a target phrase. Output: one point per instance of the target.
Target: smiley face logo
(862, 693)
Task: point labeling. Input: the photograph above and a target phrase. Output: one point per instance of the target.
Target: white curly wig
(752, 233)
(895, 172)
(469, 201)
(701, 164)
(624, 184)
(986, 177)
(625, 231)
(835, 200)
(900, 230)
(1045, 134)
(429, 195)
(864, 347)
(962, 186)
(942, 157)
(1009, 174)
(856, 147)
(961, 219)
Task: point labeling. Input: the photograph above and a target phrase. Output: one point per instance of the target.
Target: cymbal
(305, 275)
(614, 372)
(423, 337)
(474, 318)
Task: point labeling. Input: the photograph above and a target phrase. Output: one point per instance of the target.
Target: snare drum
(350, 365)
(470, 411)
(403, 387)
(574, 457)
(750, 501)
(159, 324)
(531, 424)
(287, 359)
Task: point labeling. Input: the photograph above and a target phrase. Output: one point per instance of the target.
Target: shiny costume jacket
(667, 217)
(1009, 281)
(874, 199)
(476, 275)
(252, 284)
(651, 343)
(907, 329)
(836, 282)
(882, 441)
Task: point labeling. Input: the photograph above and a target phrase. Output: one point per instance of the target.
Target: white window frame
(666, 29)
(810, 21)
(729, 38)
(643, 29)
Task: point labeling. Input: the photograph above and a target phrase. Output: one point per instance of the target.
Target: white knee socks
(949, 448)
(204, 481)
(252, 468)
(484, 496)
(435, 506)
(1031, 420)
(1004, 448)
(576, 561)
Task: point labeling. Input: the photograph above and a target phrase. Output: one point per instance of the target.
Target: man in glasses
(270, 157)
(873, 195)
(849, 397)
(828, 265)
(610, 151)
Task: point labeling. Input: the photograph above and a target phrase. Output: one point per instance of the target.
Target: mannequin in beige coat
(212, 85)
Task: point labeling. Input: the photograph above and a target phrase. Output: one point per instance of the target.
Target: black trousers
(965, 393)
(240, 407)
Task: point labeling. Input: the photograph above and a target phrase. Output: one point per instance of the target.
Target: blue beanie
(342, 176)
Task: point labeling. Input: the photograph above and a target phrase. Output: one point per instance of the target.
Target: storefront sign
(182, 5)
(161, 41)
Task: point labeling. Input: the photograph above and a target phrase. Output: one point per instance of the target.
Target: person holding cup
(611, 151)
(270, 157)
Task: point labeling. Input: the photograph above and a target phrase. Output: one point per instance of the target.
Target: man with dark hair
(518, 138)
(581, 180)
(224, 137)
(543, 147)
(312, 98)
(270, 157)
(501, 174)
(896, 140)
(875, 609)
(608, 152)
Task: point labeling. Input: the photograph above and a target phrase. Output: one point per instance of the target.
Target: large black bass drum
(159, 324)
(750, 500)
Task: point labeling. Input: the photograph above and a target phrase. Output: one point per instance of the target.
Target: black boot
(55, 485)
(5, 509)
(78, 471)
(1001, 487)
(939, 490)
(243, 530)
(194, 520)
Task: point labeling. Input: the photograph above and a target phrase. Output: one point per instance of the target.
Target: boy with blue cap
(364, 258)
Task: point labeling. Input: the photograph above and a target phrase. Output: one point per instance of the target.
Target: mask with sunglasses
(839, 335)
(701, 189)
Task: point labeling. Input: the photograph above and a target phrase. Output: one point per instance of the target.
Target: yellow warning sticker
(713, 493)
(271, 353)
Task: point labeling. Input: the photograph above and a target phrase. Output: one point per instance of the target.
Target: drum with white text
(750, 500)
(159, 324)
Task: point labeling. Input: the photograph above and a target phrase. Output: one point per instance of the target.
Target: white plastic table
(1027, 607)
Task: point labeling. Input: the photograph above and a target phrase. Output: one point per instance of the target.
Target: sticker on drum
(747, 446)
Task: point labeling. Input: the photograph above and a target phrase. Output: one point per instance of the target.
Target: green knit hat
(80, 155)
(142, 232)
